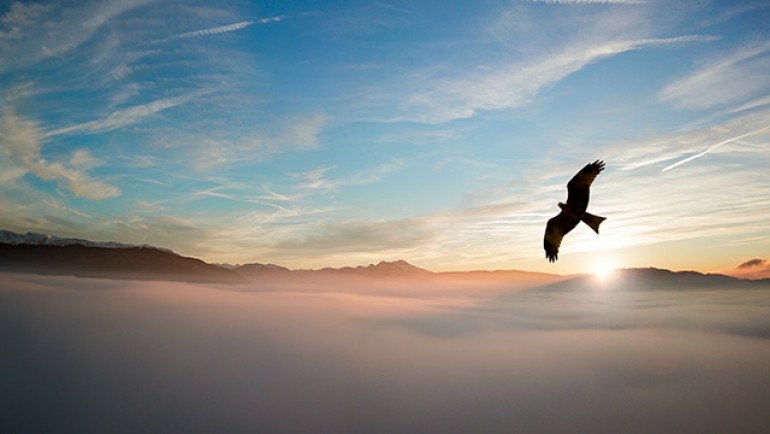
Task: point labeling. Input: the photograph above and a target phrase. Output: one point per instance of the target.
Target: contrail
(228, 28)
(693, 157)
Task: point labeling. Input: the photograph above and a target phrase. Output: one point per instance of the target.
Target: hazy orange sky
(327, 134)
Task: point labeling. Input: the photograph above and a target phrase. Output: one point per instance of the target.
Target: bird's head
(562, 205)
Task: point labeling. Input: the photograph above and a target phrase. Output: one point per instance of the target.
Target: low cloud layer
(757, 268)
(91, 355)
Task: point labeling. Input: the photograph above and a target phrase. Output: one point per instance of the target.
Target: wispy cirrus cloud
(20, 17)
(32, 32)
(298, 134)
(734, 77)
(128, 116)
(229, 27)
(236, 194)
(518, 83)
(316, 179)
(695, 143)
(715, 146)
(302, 133)
(750, 105)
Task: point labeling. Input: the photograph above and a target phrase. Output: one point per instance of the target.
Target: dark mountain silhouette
(394, 269)
(265, 273)
(259, 269)
(140, 263)
(46, 254)
(646, 276)
(655, 279)
(399, 271)
(38, 239)
(383, 268)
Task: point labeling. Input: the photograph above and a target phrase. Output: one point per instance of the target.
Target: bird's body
(571, 211)
(574, 211)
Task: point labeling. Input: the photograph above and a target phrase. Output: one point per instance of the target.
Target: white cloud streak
(303, 133)
(517, 84)
(734, 77)
(229, 27)
(124, 117)
(269, 200)
(712, 147)
(34, 32)
(299, 134)
(752, 104)
(316, 180)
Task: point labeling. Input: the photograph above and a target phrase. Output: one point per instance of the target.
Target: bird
(574, 211)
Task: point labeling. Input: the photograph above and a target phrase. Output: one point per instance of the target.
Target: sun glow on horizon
(604, 269)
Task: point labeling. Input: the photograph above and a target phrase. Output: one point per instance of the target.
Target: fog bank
(92, 355)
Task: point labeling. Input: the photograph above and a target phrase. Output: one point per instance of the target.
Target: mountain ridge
(47, 254)
(45, 239)
(133, 263)
(657, 279)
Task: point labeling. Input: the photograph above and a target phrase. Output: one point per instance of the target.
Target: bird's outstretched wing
(579, 186)
(555, 230)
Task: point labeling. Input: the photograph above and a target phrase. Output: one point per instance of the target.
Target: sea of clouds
(97, 355)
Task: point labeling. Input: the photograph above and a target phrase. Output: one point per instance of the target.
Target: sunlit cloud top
(333, 134)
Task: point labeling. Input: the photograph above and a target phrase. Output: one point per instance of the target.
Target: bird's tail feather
(593, 221)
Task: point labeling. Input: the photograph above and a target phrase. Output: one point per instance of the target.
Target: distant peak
(397, 266)
(257, 267)
(46, 239)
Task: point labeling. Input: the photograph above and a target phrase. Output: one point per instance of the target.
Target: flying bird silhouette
(574, 211)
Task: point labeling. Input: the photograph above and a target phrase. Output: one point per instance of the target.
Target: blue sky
(315, 134)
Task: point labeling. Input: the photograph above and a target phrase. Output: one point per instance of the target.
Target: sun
(603, 270)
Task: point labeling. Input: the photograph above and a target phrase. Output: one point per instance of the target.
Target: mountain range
(46, 254)
(50, 255)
